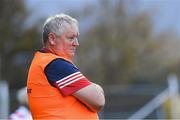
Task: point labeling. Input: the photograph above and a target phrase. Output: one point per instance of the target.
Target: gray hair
(56, 24)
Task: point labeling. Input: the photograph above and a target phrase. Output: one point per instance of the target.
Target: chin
(71, 55)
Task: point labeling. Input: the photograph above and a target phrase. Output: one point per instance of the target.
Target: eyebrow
(73, 35)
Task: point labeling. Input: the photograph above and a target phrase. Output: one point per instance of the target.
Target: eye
(71, 38)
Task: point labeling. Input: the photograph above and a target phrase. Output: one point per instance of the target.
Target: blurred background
(130, 47)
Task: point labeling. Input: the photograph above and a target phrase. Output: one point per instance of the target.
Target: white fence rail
(4, 100)
(172, 93)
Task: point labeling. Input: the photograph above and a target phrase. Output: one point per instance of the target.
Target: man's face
(67, 42)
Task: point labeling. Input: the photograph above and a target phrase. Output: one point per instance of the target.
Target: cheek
(64, 45)
(68, 44)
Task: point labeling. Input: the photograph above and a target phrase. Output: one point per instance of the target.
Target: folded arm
(70, 81)
(92, 96)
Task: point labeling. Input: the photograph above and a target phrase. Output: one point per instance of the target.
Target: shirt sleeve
(65, 76)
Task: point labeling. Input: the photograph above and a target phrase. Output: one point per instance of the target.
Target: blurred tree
(16, 42)
(121, 46)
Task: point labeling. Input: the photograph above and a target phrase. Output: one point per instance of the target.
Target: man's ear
(52, 38)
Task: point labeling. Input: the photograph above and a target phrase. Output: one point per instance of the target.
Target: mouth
(73, 50)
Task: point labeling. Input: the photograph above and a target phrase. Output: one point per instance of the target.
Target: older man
(56, 87)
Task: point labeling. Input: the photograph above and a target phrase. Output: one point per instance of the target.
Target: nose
(75, 42)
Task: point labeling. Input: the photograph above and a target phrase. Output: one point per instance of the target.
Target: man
(56, 87)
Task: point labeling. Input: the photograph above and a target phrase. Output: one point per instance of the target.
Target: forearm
(92, 96)
(97, 101)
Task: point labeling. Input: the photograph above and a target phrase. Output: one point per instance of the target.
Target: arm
(92, 96)
(70, 81)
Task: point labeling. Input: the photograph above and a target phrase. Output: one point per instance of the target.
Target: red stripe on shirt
(74, 86)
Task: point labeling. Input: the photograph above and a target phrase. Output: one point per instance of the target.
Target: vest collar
(60, 54)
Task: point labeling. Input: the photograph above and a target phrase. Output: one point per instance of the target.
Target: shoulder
(60, 63)
(43, 59)
(59, 68)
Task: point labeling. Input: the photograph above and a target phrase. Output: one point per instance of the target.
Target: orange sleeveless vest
(46, 101)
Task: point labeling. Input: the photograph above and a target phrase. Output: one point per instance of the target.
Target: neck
(56, 52)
